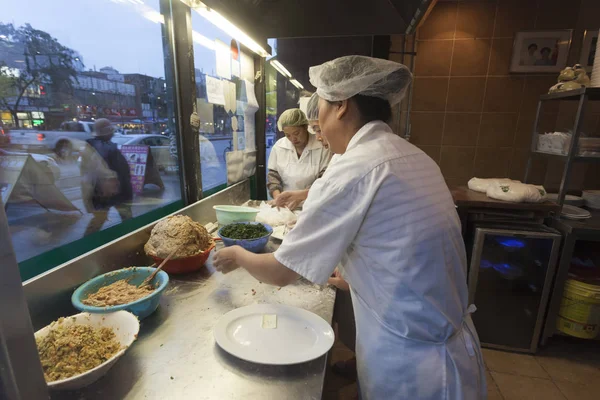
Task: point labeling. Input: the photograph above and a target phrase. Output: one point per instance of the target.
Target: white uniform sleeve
(328, 224)
(272, 164)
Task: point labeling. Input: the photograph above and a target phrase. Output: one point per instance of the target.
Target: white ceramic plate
(299, 336)
(124, 324)
(571, 212)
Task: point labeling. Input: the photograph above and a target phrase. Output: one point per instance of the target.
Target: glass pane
(67, 83)
(222, 70)
(511, 277)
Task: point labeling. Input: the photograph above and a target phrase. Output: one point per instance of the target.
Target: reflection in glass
(63, 68)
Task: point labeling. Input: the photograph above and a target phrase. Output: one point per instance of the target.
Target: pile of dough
(178, 231)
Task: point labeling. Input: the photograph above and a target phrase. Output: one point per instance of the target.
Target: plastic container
(230, 214)
(253, 245)
(579, 313)
(185, 265)
(125, 326)
(136, 275)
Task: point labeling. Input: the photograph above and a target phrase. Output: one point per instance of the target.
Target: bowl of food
(119, 290)
(77, 351)
(230, 214)
(189, 238)
(252, 236)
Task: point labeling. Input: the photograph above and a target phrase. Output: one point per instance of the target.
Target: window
(222, 72)
(57, 80)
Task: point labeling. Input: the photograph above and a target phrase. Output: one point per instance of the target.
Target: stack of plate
(592, 199)
(595, 80)
(570, 200)
(571, 212)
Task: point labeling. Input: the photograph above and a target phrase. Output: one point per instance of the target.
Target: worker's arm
(263, 267)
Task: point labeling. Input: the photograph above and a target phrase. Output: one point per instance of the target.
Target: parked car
(47, 163)
(70, 138)
(159, 146)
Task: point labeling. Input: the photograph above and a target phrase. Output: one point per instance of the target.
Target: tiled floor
(565, 369)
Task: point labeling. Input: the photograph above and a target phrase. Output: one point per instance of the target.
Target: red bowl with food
(185, 265)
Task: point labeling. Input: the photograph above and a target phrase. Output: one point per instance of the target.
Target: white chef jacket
(384, 210)
(298, 173)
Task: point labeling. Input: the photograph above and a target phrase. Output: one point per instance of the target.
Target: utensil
(162, 264)
(252, 245)
(125, 326)
(291, 336)
(231, 214)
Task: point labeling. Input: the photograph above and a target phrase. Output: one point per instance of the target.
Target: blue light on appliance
(509, 271)
(511, 243)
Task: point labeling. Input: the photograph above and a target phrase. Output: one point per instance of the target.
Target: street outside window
(87, 134)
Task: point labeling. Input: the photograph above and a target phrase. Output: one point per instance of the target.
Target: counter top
(176, 357)
(464, 197)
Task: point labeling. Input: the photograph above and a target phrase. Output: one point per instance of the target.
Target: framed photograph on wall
(588, 49)
(540, 51)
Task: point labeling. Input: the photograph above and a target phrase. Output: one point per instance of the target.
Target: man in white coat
(384, 212)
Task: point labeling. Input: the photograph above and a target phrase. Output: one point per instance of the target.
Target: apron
(300, 173)
(391, 366)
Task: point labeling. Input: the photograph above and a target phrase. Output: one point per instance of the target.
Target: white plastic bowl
(124, 324)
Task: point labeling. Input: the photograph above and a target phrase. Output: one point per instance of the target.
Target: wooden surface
(463, 197)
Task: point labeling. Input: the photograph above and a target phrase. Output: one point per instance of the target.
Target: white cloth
(383, 210)
(298, 173)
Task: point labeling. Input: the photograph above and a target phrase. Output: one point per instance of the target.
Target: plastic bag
(481, 185)
(274, 217)
(516, 192)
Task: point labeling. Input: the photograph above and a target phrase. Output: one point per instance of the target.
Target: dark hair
(532, 45)
(373, 108)
(548, 49)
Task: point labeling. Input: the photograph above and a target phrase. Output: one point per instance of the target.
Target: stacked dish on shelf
(592, 199)
(571, 212)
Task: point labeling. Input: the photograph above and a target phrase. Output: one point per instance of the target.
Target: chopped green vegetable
(244, 231)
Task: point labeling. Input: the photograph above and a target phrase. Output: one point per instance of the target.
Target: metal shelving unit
(582, 96)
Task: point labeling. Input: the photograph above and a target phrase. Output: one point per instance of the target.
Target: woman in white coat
(384, 212)
(297, 159)
(292, 198)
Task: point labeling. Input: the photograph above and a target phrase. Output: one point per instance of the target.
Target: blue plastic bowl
(253, 245)
(136, 275)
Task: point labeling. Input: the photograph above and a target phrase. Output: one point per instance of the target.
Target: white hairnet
(312, 108)
(291, 117)
(348, 76)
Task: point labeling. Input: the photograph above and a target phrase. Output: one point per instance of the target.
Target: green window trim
(60, 255)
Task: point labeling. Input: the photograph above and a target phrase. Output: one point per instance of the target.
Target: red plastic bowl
(185, 265)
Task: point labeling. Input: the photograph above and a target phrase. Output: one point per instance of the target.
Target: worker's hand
(290, 199)
(225, 260)
(337, 281)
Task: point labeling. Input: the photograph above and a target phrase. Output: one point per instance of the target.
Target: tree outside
(35, 66)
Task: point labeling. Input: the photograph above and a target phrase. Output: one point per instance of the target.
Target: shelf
(565, 156)
(592, 93)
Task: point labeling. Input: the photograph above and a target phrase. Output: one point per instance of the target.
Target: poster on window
(215, 91)
(223, 55)
(137, 158)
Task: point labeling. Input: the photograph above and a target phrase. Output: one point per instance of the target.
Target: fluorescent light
(297, 84)
(279, 67)
(222, 23)
(203, 40)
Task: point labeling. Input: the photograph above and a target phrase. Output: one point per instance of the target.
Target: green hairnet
(292, 117)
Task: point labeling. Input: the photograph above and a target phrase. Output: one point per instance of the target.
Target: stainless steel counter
(176, 357)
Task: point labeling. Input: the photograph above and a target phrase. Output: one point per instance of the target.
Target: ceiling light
(279, 67)
(222, 23)
(297, 84)
(203, 40)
